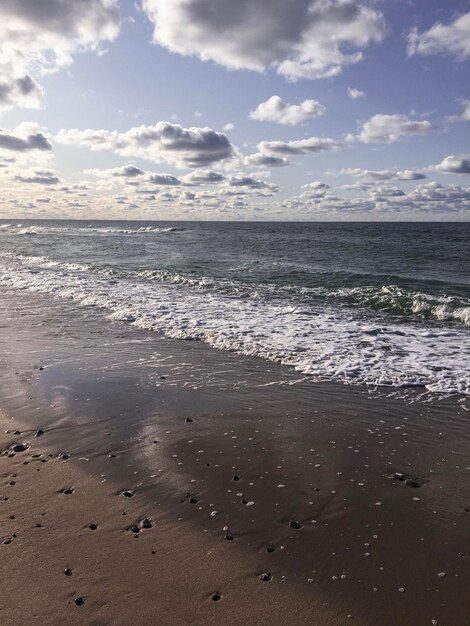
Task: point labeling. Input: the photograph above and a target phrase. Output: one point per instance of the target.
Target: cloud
(264, 160)
(382, 128)
(24, 138)
(453, 165)
(354, 94)
(382, 175)
(464, 116)
(300, 38)
(163, 179)
(252, 183)
(440, 39)
(300, 146)
(38, 37)
(126, 171)
(280, 112)
(161, 143)
(203, 177)
(38, 176)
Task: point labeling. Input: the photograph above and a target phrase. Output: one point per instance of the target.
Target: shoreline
(109, 391)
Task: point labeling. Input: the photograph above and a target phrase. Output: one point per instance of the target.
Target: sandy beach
(163, 482)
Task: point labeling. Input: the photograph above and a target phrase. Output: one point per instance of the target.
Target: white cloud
(38, 176)
(228, 126)
(264, 160)
(299, 38)
(126, 171)
(299, 146)
(354, 94)
(203, 177)
(280, 112)
(464, 116)
(162, 143)
(26, 137)
(382, 128)
(40, 36)
(382, 175)
(453, 165)
(440, 39)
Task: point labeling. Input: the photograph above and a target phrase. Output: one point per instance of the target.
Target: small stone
(401, 589)
(270, 549)
(250, 503)
(79, 601)
(216, 597)
(68, 491)
(127, 494)
(229, 537)
(68, 571)
(135, 529)
(441, 574)
(193, 500)
(6, 541)
(188, 420)
(39, 432)
(146, 523)
(398, 476)
(236, 477)
(266, 577)
(20, 447)
(92, 526)
(295, 524)
(412, 483)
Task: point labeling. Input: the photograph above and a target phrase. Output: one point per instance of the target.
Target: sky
(235, 110)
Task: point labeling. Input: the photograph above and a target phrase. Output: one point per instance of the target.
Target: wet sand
(164, 482)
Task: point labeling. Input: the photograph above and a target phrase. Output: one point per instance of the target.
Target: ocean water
(365, 303)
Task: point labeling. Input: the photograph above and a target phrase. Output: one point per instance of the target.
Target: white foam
(325, 342)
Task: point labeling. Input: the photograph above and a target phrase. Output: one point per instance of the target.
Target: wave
(390, 299)
(20, 229)
(317, 338)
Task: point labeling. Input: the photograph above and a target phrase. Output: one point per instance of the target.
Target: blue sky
(398, 151)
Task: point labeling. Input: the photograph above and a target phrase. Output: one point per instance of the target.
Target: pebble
(68, 491)
(127, 494)
(39, 432)
(216, 597)
(266, 577)
(68, 571)
(92, 526)
(20, 447)
(146, 523)
(295, 524)
(250, 503)
(79, 601)
(188, 420)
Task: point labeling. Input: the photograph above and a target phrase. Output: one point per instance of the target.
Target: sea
(380, 304)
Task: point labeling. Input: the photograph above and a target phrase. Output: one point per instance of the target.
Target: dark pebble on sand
(39, 432)
(398, 476)
(92, 526)
(17, 432)
(266, 577)
(135, 529)
(216, 597)
(229, 537)
(79, 601)
(65, 456)
(6, 541)
(236, 477)
(295, 524)
(127, 494)
(41, 368)
(193, 500)
(20, 447)
(188, 420)
(68, 491)
(412, 483)
(270, 549)
(68, 571)
(146, 523)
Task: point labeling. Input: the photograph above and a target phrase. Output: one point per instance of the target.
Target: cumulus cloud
(453, 165)
(38, 176)
(26, 137)
(126, 171)
(354, 94)
(382, 128)
(280, 112)
(296, 147)
(300, 38)
(37, 37)
(163, 179)
(162, 143)
(453, 38)
(464, 116)
(264, 160)
(203, 177)
(382, 175)
(252, 183)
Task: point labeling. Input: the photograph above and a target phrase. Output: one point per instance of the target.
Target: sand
(251, 496)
